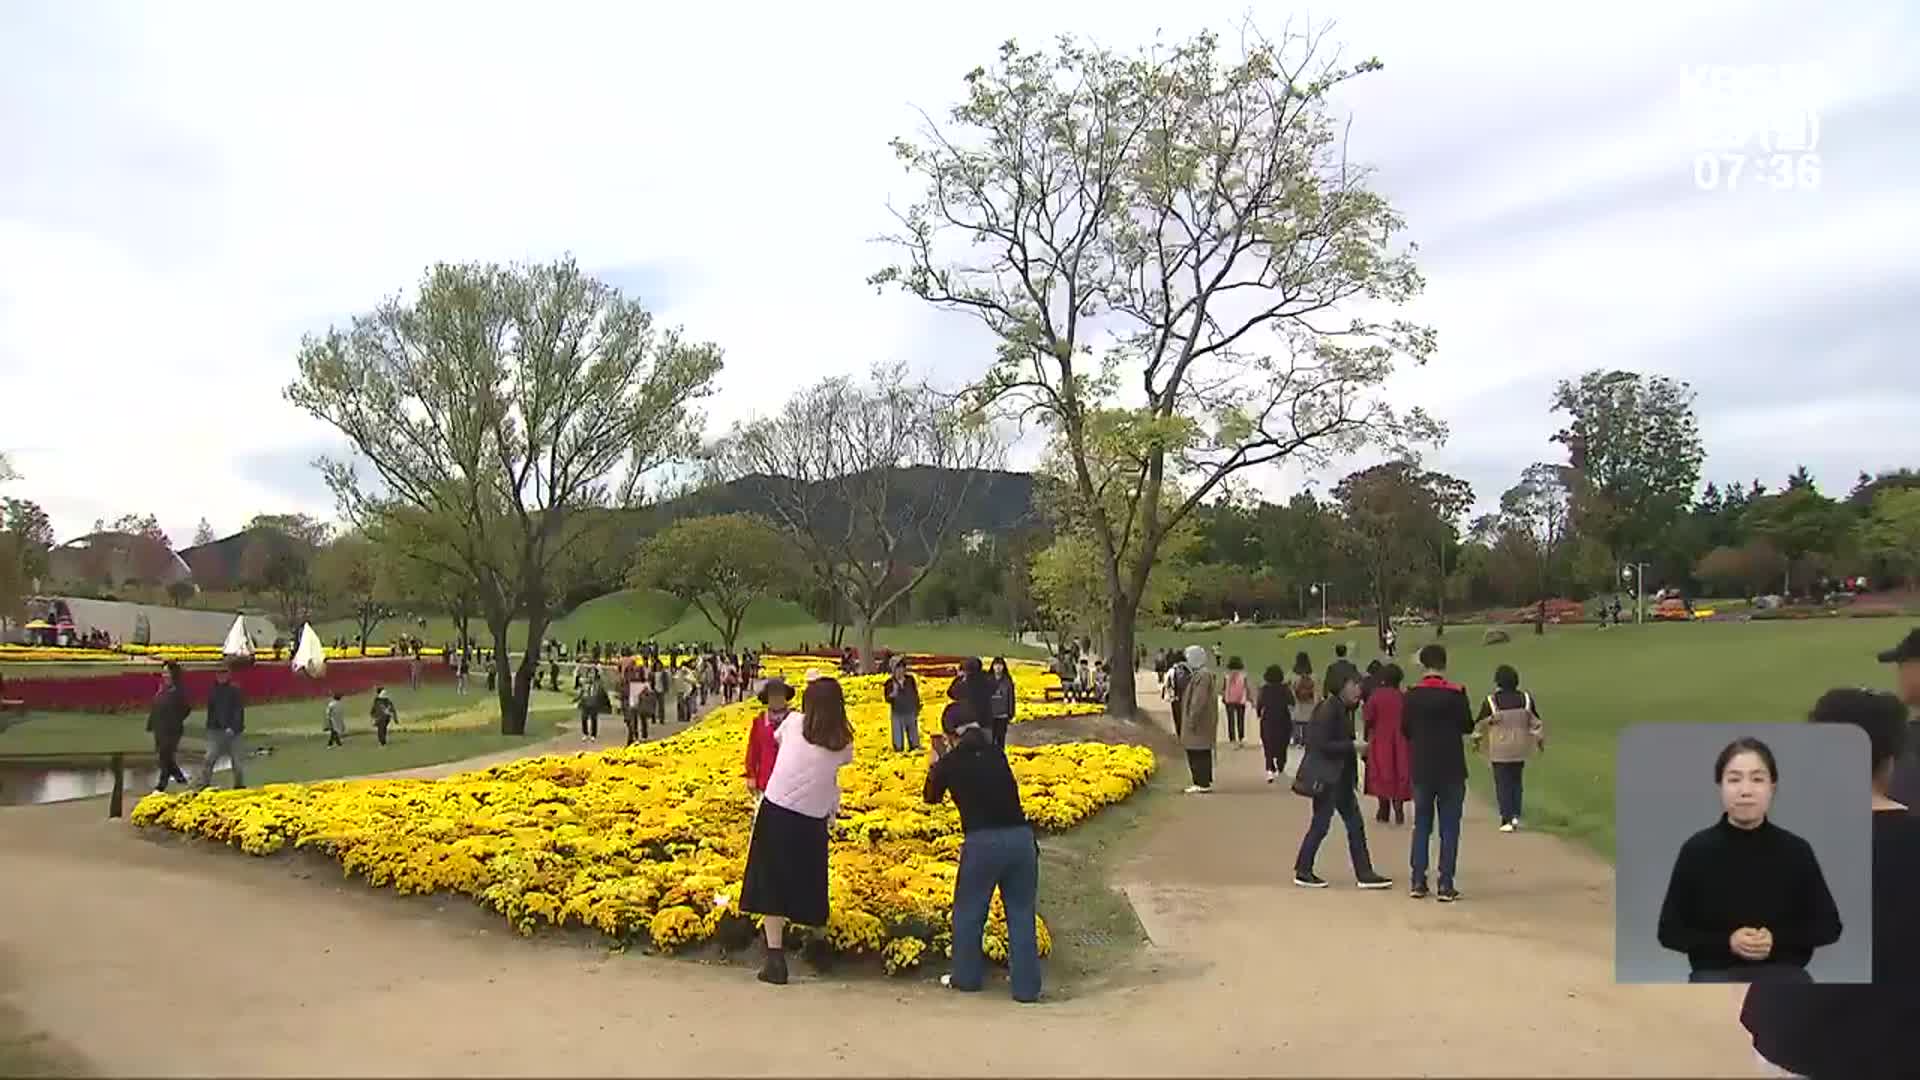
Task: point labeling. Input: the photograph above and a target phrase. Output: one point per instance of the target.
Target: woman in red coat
(1389, 766)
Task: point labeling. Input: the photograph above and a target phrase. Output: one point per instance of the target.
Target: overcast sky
(186, 188)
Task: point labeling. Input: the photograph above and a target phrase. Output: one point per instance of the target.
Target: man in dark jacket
(226, 720)
(1436, 717)
(1906, 771)
(1340, 666)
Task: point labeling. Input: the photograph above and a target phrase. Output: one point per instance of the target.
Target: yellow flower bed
(649, 843)
(1310, 631)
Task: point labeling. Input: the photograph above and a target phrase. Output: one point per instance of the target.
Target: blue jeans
(1507, 788)
(1341, 798)
(906, 731)
(1445, 802)
(1008, 859)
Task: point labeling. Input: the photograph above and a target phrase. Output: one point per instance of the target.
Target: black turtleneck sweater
(1727, 877)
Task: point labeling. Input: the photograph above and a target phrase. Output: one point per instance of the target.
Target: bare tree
(869, 480)
(1182, 226)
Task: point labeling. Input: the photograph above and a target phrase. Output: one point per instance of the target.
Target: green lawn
(299, 745)
(1590, 684)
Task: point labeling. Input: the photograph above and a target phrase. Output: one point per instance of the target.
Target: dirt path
(208, 962)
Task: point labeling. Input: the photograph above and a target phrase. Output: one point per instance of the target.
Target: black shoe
(1371, 880)
(1307, 879)
(774, 971)
(1447, 894)
(1418, 890)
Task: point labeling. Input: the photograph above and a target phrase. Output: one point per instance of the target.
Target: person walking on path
(1340, 664)
(1437, 720)
(1174, 686)
(786, 874)
(1331, 769)
(1202, 730)
(998, 851)
(413, 671)
(226, 722)
(336, 720)
(167, 720)
(1275, 709)
(1389, 774)
(1305, 695)
(1906, 660)
(1509, 726)
(383, 714)
(903, 703)
(1001, 710)
(1234, 695)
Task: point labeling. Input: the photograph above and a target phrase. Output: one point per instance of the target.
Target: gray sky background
(187, 188)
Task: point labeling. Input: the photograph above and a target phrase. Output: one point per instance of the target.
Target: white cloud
(188, 188)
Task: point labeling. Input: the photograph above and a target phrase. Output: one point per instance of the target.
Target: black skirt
(786, 866)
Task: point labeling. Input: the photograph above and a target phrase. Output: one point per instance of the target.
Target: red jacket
(762, 749)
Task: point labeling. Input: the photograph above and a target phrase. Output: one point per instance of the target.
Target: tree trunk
(513, 714)
(1440, 603)
(864, 629)
(503, 687)
(1122, 699)
(1540, 617)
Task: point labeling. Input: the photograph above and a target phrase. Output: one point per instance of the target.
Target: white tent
(311, 656)
(238, 646)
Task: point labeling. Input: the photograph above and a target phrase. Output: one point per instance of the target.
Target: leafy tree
(25, 518)
(1891, 533)
(26, 536)
(1191, 215)
(1868, 488)
(498, 408)
(1799, 522)
(869, 480)
(1536, 515)
(720, 564)
(1741, 571)
(203, 533)
(1382, 508)
(143, 525)
(351, 571)
(1297, 541)
(309, 531)
(1634, 447)
(286, 575)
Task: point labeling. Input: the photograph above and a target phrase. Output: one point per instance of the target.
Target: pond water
(23, 784)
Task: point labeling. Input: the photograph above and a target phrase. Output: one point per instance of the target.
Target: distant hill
(997, 502)
(225, 563)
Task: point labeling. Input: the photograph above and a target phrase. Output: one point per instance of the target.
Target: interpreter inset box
(1743, 853)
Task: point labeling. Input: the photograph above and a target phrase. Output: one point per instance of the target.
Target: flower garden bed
(120, 691)
(648, 844)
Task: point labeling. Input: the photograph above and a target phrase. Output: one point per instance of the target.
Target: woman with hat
(999, 850)
(786, 875)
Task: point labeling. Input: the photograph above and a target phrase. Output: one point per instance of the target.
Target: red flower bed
(276, 681)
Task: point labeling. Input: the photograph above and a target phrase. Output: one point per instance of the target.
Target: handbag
(1315, 776)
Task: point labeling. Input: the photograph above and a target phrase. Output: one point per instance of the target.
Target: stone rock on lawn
(1495, 637)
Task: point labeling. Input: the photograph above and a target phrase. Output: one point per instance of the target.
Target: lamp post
(1319, 588)
(1637, 573)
